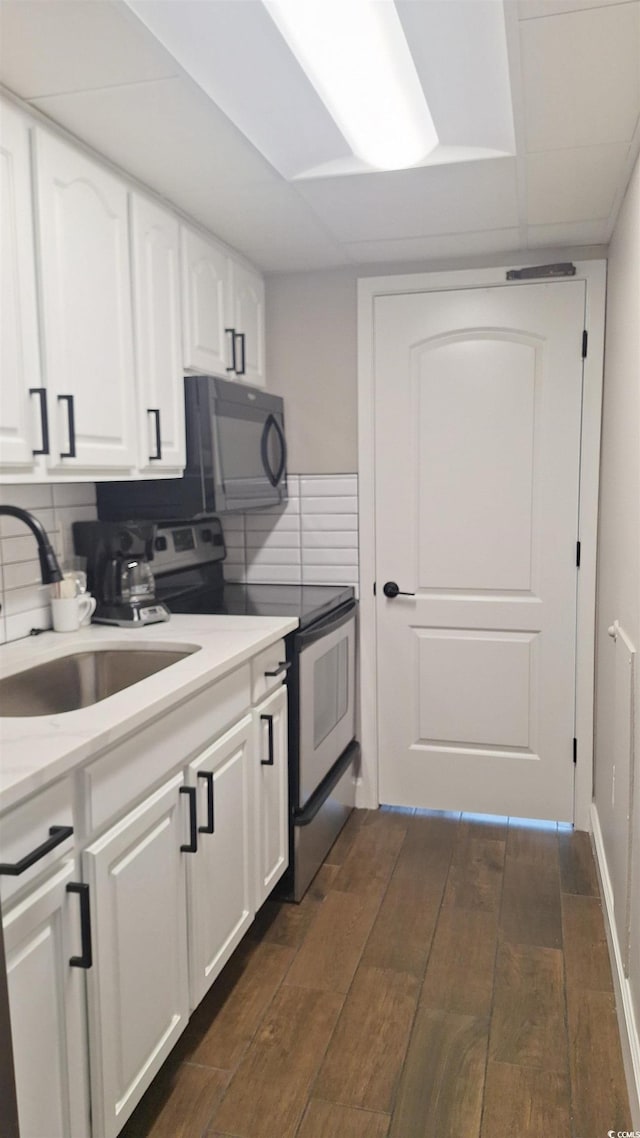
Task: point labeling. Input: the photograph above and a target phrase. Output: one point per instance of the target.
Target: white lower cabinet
(138, 989)
(271, 798)
(47, 1006)
(220, 893)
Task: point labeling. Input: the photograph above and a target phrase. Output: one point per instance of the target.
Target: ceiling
(574, 77)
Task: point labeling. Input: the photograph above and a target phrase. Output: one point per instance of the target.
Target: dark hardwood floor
(443, 978)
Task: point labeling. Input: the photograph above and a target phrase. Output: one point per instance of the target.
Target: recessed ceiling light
(355, 54)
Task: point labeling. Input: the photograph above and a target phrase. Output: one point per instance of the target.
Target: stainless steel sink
(81, 679)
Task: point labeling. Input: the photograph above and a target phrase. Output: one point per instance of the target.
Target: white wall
(312, 351)
(619, 546)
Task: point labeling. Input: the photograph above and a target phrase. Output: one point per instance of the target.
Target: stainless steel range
(320, 665)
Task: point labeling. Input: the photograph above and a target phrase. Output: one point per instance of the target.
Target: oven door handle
(328, 624)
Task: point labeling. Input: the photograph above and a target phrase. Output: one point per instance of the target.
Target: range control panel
(179, 545)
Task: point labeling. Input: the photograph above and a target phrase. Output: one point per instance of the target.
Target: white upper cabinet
(223, 312)
(23, 431)
(207, 346)
(248, 323)
(155, 252)
(86, 311)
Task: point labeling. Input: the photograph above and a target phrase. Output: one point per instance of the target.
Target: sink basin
(81, 679)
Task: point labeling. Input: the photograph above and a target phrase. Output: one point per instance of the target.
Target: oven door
(326, 676)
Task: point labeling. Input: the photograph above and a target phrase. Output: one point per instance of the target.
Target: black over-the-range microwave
(236, 458)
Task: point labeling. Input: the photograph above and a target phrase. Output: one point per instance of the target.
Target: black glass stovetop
(309, 603)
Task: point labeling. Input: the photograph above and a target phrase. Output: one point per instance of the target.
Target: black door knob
(391, 590)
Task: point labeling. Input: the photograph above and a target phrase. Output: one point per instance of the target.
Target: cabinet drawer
(121, 775)
(268, 661)
(26, 827)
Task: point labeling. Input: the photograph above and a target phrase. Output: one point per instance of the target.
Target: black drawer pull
(85, 960)
(41, 392)
(210, 827)
(232, 332)
(71, 453)
(57, 835)
(158, 455)
(192, 845)
(268, 719)
(281, 669)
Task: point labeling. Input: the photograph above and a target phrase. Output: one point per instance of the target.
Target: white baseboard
(629, 1034)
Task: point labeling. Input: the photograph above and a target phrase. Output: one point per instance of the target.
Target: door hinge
(578, 553)
(575, 751)
(585, 341)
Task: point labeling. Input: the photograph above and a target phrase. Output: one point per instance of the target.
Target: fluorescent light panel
(355, 54)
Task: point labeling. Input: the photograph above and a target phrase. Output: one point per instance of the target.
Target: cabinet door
(86, 308)
(248, 320)
(219, 875)
(47, 1006)
(157, 336)
(207, 346)
(272, 797)
(21, 426)
(138, 988)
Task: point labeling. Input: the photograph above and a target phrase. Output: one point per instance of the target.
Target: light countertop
(35, 751)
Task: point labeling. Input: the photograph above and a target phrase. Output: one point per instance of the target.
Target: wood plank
(528, 1020)
(525, 1102)
(334, 944)
(586, 953)
(440, 1092)
(280, 922)
(343, 843)
(475, 876)
(578, 872)
(269, 1090)
(481, 826)
(365, 1056)
(600, 1101)
(328, 1120)
(531, 911)
(460, 972)
(532, 844)
(369, 863)
(229, 1016)
(179, 1103)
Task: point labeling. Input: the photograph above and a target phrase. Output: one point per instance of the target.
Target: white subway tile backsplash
(329, 486)
(22, 623)
(273, 574)
(20, 574)
(334, 539)
(14, 550)
(22, 600)
(328, 556)
(261, 522)
(34, 496)
(331, 505)
(74, 494)
(272, 555)
(330, 575)
(13, 527)
(273, 539)
(319, 522)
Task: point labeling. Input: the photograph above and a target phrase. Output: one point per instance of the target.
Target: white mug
(70, 613)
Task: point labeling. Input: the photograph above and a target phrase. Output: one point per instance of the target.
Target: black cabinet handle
(156, 411)
(242, 338)
(232, 332)
(41, 392)
(57, 835)
(71, 453)
(85, 960)
(391, 590)
(210, 827)
(192, 845)
(281, 669)
(268, 719)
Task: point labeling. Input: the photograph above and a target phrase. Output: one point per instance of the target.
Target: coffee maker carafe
(118, 571)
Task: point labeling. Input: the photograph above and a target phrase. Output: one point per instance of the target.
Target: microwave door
(245, 482)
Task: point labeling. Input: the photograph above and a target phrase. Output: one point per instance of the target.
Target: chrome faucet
(50, 570)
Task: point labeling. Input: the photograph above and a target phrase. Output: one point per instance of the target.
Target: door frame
(594, 273)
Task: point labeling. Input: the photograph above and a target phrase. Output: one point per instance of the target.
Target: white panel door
(22, 414)
(138, 987)
(155, 247)
(220, 878)
(272, 793)
(206, 304)
(86, 308)
(248, 322)
(478, 408)
(48, 1012)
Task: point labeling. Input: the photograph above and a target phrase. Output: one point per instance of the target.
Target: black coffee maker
(118, 571)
